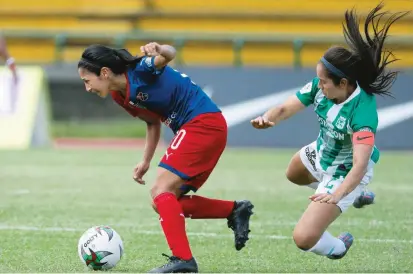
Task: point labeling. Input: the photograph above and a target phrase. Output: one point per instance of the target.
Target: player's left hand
(325, 198)
(139, 171)
(262, 122)
(151, 49)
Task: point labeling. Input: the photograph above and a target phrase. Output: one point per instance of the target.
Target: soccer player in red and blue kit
(149, 89)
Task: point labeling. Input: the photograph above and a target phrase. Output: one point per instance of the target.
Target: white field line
(198, 234)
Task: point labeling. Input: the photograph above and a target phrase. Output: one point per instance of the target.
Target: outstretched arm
(276, 114)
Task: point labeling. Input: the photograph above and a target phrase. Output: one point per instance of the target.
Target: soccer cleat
(365, 198)
(347, 239)
(239, 221)
(177, 265)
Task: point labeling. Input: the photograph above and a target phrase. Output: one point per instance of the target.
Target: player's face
(327, 86)
(93, 83)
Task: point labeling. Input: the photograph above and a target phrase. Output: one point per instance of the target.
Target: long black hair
(366, 61)
(95, 57)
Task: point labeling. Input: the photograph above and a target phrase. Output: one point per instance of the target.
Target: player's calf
(239, 220)
(326, 245)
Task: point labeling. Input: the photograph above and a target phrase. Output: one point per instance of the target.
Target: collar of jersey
(132, 86)
(127, 97)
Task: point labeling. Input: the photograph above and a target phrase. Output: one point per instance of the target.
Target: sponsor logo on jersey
(170, 119)
(330, 130)
(136, 105)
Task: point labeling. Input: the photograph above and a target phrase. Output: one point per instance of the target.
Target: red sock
(173, 224)
(197, 207)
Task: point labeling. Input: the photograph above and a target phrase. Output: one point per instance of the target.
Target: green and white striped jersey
(338, 122)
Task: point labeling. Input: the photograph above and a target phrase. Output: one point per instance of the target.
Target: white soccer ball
(100, 248)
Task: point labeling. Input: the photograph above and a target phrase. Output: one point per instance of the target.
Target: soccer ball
(100, 248)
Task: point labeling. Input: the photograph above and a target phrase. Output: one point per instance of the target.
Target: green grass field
(49, 197)
(96, 129)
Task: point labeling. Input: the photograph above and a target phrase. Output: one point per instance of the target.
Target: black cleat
(239, 222)
(177, 265)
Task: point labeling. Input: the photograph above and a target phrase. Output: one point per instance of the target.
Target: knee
(154, 207)
(166, 182)
(305, 240)
(160, 186)
(291, 175)
(158, 189)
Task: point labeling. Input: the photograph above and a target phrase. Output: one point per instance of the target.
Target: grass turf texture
(99, 129)
(44, 192)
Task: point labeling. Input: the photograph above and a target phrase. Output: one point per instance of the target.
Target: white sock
(313, 185)
(328, 245)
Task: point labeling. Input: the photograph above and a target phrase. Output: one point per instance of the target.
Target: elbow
(169, 53)
(282, 110)
(173, 52)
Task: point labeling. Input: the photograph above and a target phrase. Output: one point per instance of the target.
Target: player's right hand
(139, 171)
(151, 49)
(262, 122)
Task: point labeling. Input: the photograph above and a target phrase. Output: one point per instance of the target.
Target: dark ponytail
(95, 57)
(366, 61)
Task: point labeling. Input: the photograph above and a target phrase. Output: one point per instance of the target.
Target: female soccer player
(148, 88)
(343, 156)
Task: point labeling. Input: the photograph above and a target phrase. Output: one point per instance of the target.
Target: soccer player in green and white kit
(341, 160)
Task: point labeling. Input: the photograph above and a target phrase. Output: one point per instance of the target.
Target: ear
(105, 72)
(343, 83)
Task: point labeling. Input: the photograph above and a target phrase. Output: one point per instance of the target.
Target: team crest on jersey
(341, 122)
(142, 96)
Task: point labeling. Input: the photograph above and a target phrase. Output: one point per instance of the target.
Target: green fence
(238, 40)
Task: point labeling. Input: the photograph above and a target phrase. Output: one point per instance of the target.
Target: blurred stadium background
(248, 55)
(236, 38)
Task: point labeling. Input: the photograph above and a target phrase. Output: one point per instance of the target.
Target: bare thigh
(297, 173)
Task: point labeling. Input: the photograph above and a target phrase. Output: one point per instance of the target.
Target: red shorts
(196, 149)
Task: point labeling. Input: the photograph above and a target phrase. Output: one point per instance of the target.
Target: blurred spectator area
(206, 32)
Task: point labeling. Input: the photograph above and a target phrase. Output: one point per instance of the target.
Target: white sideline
(199, 234)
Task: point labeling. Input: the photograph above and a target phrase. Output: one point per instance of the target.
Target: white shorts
(311, 160)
